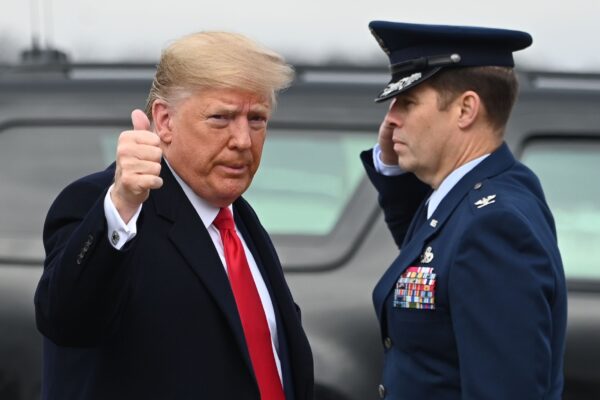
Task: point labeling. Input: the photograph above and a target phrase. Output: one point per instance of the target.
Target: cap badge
(401, 84)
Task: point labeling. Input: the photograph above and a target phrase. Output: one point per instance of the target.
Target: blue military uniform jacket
(474, 307)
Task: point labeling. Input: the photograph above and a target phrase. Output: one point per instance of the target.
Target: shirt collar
(449, 182)
(205, 211)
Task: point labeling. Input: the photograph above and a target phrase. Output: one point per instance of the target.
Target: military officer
(474, 306)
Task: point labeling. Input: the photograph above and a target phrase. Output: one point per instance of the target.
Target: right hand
(388, 156)
(138, 166)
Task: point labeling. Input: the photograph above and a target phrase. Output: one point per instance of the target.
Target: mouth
(234, 169)
(399, 145)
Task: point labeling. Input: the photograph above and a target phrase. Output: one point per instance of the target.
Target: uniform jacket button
(387, 342)
(381, 391)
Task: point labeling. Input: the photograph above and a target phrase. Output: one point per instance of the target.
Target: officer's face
(422, 133)
(215, 140)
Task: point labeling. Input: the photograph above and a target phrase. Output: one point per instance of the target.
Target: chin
(405, 166)
(227, 197)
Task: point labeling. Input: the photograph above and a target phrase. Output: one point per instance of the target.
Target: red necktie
(252, 314)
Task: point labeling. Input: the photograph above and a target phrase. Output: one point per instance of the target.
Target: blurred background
(308, 31)
(60, 115)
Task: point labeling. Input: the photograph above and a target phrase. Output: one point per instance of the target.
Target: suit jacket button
(387, 342)
(381, 391)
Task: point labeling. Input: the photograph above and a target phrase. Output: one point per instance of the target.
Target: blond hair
(215, 60)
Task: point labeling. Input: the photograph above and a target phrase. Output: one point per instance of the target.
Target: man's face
(422, 133)
(216, 140)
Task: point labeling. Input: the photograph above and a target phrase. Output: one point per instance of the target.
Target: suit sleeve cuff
(119, 233)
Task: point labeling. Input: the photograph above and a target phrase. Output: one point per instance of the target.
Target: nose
(241, 134)
(393, 116)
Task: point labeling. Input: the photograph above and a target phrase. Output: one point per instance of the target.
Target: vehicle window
(304, 183)
(35, 164)
(306, 179)
(568, 170)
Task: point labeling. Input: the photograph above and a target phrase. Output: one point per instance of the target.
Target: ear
(162, 116)
(469, 105)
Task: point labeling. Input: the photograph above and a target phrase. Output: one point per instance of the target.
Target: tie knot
(224, 220)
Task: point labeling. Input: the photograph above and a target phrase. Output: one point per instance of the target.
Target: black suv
(60, 122)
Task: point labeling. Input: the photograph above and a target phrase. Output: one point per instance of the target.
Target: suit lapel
(298, 349)
(267, 261)
(497, 162)
(192, 240)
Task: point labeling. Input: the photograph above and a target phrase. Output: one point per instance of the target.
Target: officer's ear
(162, 115)
(469, 108)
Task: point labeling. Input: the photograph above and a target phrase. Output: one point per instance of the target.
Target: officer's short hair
(497, 88)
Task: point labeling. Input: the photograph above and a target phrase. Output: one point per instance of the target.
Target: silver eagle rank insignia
(486, 201)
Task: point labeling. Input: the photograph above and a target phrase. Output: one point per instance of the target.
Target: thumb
(139, 120)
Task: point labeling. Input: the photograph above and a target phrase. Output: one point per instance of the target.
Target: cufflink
(114, 238)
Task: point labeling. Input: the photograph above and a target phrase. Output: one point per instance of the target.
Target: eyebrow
(231, 108)
(259, 109)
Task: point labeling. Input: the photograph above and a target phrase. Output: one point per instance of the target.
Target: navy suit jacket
(157, 319)
(498, 327)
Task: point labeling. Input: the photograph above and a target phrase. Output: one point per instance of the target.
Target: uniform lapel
(497, 162)
(420, 232)
(192, 240)
(500, 160)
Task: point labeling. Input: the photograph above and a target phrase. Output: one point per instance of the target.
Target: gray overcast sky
(565, 33)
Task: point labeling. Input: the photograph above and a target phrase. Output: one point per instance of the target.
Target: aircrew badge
(416, 289)
(427, 255)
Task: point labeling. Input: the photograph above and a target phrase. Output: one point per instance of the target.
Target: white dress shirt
(438, 194)
(207, 213)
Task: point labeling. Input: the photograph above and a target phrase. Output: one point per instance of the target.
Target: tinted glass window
(37, 162)
(302, 187)
(568, 170)
(306, 179)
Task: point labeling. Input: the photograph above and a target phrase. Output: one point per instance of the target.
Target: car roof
(334, 97)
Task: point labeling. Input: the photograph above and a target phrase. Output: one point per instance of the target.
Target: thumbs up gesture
(137, 166)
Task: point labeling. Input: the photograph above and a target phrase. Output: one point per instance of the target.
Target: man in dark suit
(151, 289)
(474, 307)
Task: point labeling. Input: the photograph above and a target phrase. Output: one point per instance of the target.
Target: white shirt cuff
(119, 233)
(384, 169)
